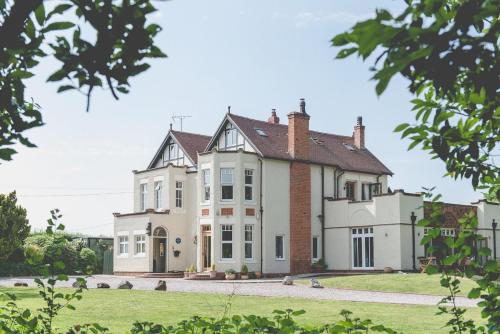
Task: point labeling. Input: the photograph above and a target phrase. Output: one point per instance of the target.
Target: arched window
(160, 232)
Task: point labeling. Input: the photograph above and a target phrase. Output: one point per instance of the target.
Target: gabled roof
(190, 143)
(325, 149)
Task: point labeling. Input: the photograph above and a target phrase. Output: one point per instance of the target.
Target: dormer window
(261, 132)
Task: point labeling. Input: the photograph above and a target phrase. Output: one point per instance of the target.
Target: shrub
(68, 255)
(244, 269)
(88, 261)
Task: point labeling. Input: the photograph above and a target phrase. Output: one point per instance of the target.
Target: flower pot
(244, 276)
(230, 277)
(192, 275)
(387, 270)
(258, 274)
(186, 274)
(213, 274)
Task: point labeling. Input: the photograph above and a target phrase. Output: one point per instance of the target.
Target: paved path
(267, 288)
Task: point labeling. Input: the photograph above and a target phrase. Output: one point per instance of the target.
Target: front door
(206, 244)
(362, 248)
(160, 255)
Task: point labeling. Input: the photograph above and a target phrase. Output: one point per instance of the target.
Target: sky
(251, 55)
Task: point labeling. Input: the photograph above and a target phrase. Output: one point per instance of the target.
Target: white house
(275, 197)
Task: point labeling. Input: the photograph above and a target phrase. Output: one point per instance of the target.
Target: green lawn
(409, 283)
(117, 309)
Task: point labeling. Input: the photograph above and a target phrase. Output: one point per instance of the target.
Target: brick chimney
(359, 133)
(273, 119)
(300, 191)
(298, 133)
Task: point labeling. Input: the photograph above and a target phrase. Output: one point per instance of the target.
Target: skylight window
(349, 147)
(261, 132)
(317, 140)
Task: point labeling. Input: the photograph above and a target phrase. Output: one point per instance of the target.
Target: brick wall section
(451, 213)
(300, 218)
(300, 193)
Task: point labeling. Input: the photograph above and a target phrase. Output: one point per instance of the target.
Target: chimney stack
(273, 119)
(359, 133)
(300, 191)
(298, 133)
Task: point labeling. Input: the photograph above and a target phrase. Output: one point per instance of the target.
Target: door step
(163, 275)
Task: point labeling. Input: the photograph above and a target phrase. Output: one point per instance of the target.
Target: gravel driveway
(267, 288)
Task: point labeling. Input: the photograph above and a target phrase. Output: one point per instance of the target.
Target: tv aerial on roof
(179, 118)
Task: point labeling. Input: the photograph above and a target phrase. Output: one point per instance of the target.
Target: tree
(123, 41)
(14, 226)
(448, 50)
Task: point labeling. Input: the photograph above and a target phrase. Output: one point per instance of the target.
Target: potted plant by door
(213, 273)
(186, 273)
(230, 274)
(319, 266)
(192, 271)
(244, 272)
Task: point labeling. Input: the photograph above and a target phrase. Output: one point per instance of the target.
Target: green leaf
(474, 293)
(59, 9)
(58, 26)
(57, 76)
(40, 14)
(401, 127)
(6, 153)
(346, 52)
(65, 88)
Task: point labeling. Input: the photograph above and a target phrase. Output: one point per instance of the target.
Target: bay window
(144, 196)
(248, 184)
(227, 242)
(158, 195)
(227, 183)
(178, 193)
(248, 242)
(205, 179)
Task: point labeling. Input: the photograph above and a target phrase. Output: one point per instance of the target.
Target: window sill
(227, 261)
(282, 259)
(226, 202)
(252, 202)
(140, 255)
(122, 256)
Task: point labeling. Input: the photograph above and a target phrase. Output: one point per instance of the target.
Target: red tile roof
(192, 143)
(325, 149)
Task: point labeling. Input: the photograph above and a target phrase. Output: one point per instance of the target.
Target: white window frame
(143, 192)
(140, 245)
(226, 227)
(249, 228)
(251, 174)
(363, 233)
(355, 184)
(317, 257)
(282, 236)
(205, 182)
(230, 130)
(226, 184)
(179, 194)
(158, 194)
(123, 242)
